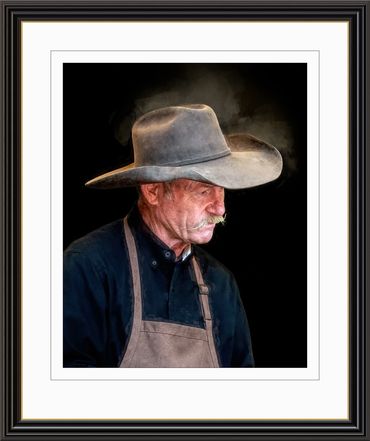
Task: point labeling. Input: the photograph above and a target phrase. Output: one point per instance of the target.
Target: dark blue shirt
(98, 296)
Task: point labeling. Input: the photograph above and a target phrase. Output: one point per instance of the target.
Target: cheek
(183, 214)
(175, 216)
(193, 217)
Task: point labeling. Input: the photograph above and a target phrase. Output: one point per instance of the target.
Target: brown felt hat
(186, 142)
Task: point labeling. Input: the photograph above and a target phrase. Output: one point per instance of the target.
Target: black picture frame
(357, 13)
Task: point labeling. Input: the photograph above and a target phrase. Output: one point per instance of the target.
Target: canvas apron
(155, 344)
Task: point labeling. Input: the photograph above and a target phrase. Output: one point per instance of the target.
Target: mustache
(209, 220)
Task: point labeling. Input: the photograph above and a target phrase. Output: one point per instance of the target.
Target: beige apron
(155, 344)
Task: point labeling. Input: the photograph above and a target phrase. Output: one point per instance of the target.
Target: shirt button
(154, 263)
(167, 254)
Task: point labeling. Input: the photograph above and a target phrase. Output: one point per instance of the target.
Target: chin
(202, 238)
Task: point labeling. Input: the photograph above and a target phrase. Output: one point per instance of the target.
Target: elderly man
(140, 292)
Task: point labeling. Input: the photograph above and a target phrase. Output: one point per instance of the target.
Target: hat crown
(178, 135)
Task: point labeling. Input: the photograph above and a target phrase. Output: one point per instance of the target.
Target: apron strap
(204, 300)
(137, 317)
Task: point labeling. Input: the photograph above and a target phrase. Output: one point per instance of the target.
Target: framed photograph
(77, 79)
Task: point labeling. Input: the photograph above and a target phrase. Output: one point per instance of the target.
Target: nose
(217, 206)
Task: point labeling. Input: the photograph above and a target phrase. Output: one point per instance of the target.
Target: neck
(150, 219)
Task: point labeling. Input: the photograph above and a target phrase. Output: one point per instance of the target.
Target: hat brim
(251, 163)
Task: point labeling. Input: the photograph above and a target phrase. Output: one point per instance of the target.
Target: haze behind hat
(186, 142)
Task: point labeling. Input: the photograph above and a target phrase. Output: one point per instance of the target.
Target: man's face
(189, 210)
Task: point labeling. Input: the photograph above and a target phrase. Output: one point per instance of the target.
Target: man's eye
(205, 191)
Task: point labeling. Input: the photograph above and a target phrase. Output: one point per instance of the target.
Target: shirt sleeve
(242, 354)
(84, 311)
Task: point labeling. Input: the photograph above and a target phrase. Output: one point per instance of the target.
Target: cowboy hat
(186, 142)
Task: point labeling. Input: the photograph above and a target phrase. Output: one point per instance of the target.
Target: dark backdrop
(264, 239)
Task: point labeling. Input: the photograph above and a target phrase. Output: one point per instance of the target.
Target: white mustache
(209, 220)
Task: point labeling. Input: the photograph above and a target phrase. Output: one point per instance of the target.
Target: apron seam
(175, 335)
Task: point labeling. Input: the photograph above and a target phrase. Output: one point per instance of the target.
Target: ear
(151, 192)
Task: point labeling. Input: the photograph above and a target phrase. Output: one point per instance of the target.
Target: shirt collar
(186, 253)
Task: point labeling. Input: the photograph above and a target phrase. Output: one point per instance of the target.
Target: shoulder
(220, 280)
(103, 235)
(100, 246)
(211, 265)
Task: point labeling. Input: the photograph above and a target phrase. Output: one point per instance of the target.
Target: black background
(264, 240)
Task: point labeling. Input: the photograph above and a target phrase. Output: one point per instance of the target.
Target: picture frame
(14, 13)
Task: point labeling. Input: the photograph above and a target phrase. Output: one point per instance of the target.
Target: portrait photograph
(262, 239)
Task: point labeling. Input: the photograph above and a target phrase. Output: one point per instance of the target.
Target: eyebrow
(199, 186)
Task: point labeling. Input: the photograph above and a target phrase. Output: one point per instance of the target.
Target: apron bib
(155, 344)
